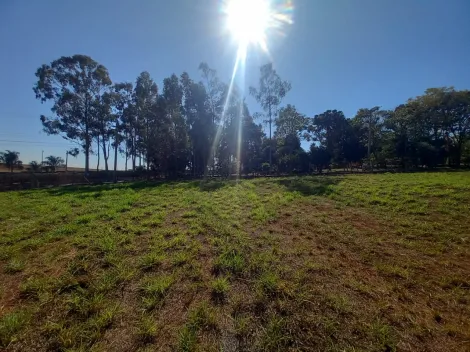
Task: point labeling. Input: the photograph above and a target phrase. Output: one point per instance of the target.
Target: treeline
(203, 126)
(11, 160)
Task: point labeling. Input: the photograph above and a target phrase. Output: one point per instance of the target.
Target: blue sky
(338, 54)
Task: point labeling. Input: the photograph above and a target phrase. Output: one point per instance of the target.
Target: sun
(248, 21)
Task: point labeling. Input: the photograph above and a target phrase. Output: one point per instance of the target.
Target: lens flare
(255, 23)
(248, 20)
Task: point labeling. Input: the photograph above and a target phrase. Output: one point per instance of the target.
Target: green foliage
(10, 325)
(199, 128)
(269, 94)
(10, 159)
(53, 162)
(274, 263)
(74, 85)
(231, 261)
(35, 166)
(187, 340)
(14, 265)
(290, 122)
(384, 335)
(202, 317)
(268, 284)
(147, 328)
(154, 290)
(220, 287)
(85, 304)
(151, 260)
(181, 258)
(275, 338)
(34, 288)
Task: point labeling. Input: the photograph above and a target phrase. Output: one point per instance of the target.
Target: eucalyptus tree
(269, 94)
(73, 84)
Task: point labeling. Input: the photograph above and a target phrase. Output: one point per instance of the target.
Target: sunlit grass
(360, 262)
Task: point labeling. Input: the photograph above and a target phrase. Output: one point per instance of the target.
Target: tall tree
(290, 122)
(102, 125)
(319, 157)
(173, 126)
(73, 84)
(72, 152)
(368, 124)
(199, 120)
(330, 130)
(452, 109)
(120, 101)
(145, 100)
(230, 132)
(251, 144)
(269, 94)
(399, 125)
(216, 92)
(290, 155)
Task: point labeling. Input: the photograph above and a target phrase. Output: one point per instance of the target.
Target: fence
(27, 180)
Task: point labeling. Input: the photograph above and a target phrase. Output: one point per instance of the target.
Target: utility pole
(42, 157)
(66, 160)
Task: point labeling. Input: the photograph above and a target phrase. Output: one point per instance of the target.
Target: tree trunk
(116, 144)
(127, 156)
(87, 150)
(115, 161)
(194, 163)
(147, 151)
(270, 140)
(105, 154)
(87, 139)
(133, 153)
(458, 153)
(98, 163)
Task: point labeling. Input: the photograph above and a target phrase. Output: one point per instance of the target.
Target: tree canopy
(196, 126)
(11, 159)
(75, 85)
(53, 162)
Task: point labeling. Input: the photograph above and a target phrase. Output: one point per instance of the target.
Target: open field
(352, 263)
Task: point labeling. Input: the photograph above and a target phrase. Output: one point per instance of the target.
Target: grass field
(352, 263)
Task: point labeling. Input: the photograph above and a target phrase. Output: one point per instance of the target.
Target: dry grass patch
(369, 263)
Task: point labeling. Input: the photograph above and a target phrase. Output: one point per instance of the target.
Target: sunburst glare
(254, 21)
(251, 23)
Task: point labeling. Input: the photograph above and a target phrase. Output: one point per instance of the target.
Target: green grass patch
(355, 262)
(11, 325)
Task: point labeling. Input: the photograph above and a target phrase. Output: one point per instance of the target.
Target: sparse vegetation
(220, 287)
(359, 262)
(147, 329)
(10, 325)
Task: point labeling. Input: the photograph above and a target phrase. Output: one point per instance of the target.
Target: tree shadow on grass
(83, 191)
(310, 185)
(213, 185)
(307, 185)
(96, 189)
